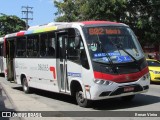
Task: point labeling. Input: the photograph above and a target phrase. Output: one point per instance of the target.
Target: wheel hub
(81, 97)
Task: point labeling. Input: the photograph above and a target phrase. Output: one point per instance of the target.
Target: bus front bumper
(98, 92)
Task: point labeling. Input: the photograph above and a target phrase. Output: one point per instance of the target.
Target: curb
(9, 99)
(24, 103)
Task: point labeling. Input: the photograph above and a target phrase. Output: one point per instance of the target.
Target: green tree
(69, 10)
(155, 21)
(10, 24)
(141, 15)
(112, 10)
(80, 10)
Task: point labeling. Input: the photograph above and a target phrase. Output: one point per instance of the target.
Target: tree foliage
(70, 10)
(10, 24)
(143, 16)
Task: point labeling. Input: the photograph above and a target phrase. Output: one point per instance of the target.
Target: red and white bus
(91, 60)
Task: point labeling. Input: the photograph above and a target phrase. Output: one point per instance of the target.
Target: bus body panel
(39, 74)
(1, 64)
(5, 68)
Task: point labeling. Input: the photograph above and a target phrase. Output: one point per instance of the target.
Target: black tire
(25, 86)
(128, 98)
(82, 102)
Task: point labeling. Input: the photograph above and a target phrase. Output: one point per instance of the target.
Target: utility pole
(26, 10)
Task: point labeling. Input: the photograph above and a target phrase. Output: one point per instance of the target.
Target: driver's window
(76, 53)
(73, 53)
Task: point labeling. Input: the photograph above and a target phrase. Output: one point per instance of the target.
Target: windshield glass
(112, 44)
(153, 63)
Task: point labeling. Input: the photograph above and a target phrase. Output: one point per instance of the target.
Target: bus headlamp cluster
(155, 72)
(102, 82)
(145, 77)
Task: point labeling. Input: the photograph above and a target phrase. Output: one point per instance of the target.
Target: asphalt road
(142, 102)
(149, 101)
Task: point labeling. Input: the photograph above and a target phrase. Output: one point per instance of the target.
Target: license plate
(128, 89)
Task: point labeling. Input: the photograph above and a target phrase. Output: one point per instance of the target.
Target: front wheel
(26, 88)
(128, 98)
(82, 102)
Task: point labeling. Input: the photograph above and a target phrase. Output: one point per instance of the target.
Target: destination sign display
(102, 31)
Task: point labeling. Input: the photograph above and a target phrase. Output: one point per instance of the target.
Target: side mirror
(77, 41)
(84, 60)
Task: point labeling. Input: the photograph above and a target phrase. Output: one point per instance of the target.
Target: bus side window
(51, 45)
(1, 49)
(43, 45)
(47, 45)
(76, 53)
(36, 47)
(33, 46)
(73, 53)
(29, 47)
(83, 56)
(21, 47)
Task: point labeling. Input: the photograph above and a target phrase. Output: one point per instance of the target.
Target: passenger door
(10, 60)
(62, 61)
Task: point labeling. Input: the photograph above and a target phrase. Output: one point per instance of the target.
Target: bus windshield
(112, 44)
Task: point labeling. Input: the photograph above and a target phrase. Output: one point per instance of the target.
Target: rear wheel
(128, 98)
(26, 88)
(82, 102)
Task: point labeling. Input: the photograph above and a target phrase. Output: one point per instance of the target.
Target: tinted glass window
(47, 45)
(21, 47)
(51, 45)
(43, 45)
(33, 46)
(153, 63)
(1, 49)
(72, 51)
(112, 43)
(75, 52)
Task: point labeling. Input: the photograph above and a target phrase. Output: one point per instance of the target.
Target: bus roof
(98, 22)
(58, 25)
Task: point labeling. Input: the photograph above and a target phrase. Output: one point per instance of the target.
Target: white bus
(89, 60)
(2, 61)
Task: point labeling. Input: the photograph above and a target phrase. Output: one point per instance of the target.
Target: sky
(43, 10)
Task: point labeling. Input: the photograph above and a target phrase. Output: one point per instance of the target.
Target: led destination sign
(102, 31)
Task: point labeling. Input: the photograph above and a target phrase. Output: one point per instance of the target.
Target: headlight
(146, 77)
(103, 82)
(155, 72)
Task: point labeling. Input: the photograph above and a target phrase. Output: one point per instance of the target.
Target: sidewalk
(17, 101)
(6, 104)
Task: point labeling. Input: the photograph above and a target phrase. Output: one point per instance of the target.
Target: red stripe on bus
(122, 77)
(98, 22)
(53, 70)
(20, 33)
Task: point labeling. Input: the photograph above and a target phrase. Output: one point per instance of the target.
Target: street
(142, 102)
(149, 101)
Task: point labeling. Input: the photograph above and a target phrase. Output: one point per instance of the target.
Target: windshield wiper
(119, 46)
(107, 55)
(103, 50)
